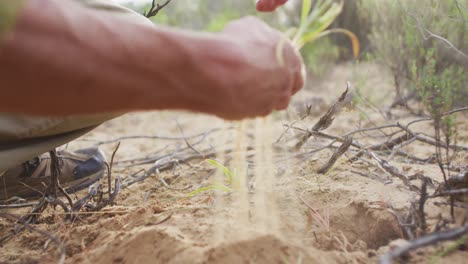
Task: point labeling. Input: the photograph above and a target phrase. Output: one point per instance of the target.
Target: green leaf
(321, 23)
(220, 166)
(306, 4)
(321, 16)
(349, 34)
(214, 186)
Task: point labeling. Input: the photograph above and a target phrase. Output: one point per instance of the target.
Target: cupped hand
(260, 81)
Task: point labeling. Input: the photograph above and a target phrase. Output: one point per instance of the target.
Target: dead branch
(450, 192)
(439, 144)
(406, 223)
(371, 176)
(55, 173)
(424, 241)
(371, 129)
(186, 141)
(155, 8)
(109, 172)
(398, 147)
(166, 164)
(385, 166)
(165, 219)
(389, 145)
(422, 202)
(307, 113)
(456, 204)
(15, 206)
(353, 144)
(338, 153)
(29, 218)
(111, 200)
(451, 112)
(51, 198)
(411, 133)
(203, 134)
(152, 159)
(326, 120)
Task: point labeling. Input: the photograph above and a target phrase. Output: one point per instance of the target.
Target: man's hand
(269, 5)
(257, 83)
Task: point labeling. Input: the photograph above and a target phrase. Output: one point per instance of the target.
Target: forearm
(66, 59)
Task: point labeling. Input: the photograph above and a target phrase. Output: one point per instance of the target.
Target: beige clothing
(25, 137)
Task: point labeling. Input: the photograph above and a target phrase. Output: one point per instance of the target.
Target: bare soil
(151, 223)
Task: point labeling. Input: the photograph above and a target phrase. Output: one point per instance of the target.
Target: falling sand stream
(252, 203)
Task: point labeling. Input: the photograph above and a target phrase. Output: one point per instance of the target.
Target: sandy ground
(152, 223)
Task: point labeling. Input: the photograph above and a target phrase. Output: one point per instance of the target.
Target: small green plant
(227, 172)
(437, 88)
(316, 18)
(314, 22)
(419, 62)
(224, 186)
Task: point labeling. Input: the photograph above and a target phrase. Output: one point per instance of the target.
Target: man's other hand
(269, 5)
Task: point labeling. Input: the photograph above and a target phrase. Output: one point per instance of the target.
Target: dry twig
(338, 153)
(423, 242)
(155, 8)
(326, 120)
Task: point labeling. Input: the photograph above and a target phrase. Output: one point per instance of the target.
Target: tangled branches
(397, 136)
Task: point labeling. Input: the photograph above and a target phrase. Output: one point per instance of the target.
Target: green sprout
(316, 19)
(230, 177)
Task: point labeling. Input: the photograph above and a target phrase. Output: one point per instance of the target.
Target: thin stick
(424, 241)
(155, 8)
(450, 192)
(327, 119)
(336, 155)
(109, 172)
(153, 137)
(14, 206)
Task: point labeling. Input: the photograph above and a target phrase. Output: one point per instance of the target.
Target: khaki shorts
(25, 137)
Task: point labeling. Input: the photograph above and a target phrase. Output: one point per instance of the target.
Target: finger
(299, 80)
(295, 65)
(265, 113)
(269, 5)
(282, 103)
(264, 6)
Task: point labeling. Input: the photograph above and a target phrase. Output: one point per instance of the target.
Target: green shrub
(421, 64)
